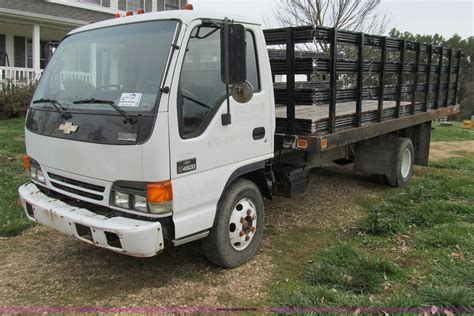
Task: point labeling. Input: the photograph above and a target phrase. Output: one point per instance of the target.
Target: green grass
(345, 268)
(12, 219)
(453, 133)
(411, 247)
(433, 199)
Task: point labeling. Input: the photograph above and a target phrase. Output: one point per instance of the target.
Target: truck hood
(99, 161)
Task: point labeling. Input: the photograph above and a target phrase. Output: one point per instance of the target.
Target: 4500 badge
(187, 165)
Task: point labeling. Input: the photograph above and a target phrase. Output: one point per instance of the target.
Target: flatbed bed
(390, 85)
(313, 119)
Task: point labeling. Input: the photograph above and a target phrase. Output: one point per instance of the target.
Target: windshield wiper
(127, 117)
(57, 106)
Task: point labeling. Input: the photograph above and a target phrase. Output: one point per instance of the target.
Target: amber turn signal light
(160, 192)
(302, 143)
(26, 162)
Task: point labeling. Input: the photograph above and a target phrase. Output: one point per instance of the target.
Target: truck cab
(125, 143)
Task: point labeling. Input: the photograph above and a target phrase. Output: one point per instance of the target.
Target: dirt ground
(444, 150)
(43, 268)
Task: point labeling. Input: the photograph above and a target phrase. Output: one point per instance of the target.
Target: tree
(353, 15)
(466, 87)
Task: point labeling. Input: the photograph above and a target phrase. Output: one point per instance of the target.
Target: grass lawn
(454, 133)
(12, 175)
(411, 247)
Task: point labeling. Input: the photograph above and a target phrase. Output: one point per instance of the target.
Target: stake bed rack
(399, 90)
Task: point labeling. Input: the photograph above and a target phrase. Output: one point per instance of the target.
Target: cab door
(203, 152)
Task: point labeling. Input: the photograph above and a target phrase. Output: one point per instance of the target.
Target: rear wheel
(238, 227)
(403, 169)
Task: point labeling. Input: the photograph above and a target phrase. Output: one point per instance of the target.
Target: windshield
(123, 64)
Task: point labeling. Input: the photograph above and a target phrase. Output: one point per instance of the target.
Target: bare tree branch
(353, 15)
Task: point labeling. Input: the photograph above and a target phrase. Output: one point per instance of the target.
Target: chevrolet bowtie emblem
(68, 128)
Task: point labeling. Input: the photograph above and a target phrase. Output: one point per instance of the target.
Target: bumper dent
(124, 235)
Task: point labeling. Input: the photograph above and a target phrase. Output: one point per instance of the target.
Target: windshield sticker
(130, 137)
(130, 99)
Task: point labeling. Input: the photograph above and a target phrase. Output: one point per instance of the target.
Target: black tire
(399, 176)
(217, 246)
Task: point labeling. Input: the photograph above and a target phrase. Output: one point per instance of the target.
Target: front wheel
(238, 227)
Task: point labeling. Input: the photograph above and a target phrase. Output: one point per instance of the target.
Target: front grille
(77, 192)
(76, 183)
(75, 187)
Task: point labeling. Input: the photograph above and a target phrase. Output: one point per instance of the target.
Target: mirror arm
(226, 118)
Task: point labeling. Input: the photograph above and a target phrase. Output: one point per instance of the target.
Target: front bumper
(120, 234)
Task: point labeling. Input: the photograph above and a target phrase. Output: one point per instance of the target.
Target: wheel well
(259, 173)
(259, 178)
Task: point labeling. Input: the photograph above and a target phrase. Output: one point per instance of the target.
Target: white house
(26, 26)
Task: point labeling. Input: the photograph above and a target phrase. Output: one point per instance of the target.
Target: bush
(14, 100)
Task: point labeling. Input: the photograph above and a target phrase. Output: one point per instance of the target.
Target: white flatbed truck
(158, 129)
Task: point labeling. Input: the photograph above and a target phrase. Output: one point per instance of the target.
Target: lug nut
(242, 220)
(241, 234)
(247, 238)
(249, 211)
(254, 229)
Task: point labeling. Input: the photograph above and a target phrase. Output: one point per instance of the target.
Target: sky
(445, 17)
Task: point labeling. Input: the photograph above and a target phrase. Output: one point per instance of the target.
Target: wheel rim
(242, 224)
(406, 163)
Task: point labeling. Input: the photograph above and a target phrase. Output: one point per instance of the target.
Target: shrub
(14, 100)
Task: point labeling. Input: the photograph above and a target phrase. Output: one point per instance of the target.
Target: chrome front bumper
(120, 234)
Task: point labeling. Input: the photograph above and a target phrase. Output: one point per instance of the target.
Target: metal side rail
(124, 235)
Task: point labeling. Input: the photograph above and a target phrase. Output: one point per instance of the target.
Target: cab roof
(185, 16)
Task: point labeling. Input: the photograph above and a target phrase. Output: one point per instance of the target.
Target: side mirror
(49, 50)
(233, 54)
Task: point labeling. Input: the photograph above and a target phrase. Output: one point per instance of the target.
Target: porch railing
(13, 76)
(74, 75)
(17, 76)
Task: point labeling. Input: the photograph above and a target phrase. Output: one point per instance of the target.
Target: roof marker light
(189, 6)
(118, 15)
(140, 11)
(129, 13)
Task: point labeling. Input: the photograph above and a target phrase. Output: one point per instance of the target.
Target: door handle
(258, 133)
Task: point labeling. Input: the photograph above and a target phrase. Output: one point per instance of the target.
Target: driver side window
(201, 91)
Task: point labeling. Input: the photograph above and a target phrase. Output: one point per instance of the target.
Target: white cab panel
(104, 162)
(219, 150)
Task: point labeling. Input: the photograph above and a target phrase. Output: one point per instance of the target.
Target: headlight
(40, 176)
(158, 198)
(140, 203)
(35, 172)
(122, 200)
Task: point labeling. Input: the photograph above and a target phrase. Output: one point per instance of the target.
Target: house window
(171, 4)
(104, 3)
(23, 50)
(19, 46)
(133, 5)
(29, 54)
(3, 58)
